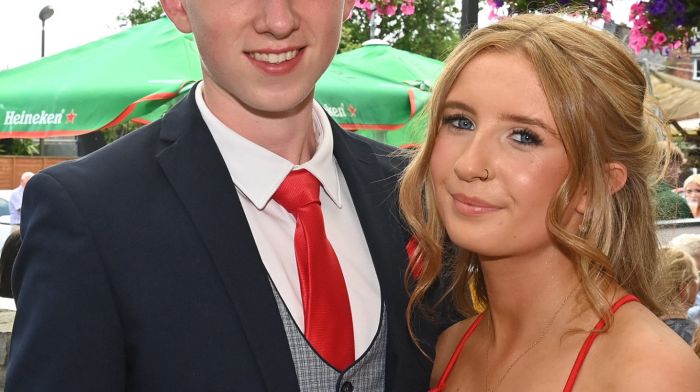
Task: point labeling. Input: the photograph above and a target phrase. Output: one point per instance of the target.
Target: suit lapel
(373, 190)
(198, 174)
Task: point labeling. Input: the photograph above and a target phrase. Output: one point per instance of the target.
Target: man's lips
(274, 56)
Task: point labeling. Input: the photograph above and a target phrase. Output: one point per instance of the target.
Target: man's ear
(617, 176)
(175, 9)
(347, 9)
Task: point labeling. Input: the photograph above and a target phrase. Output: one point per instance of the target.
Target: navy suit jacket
(138, 271)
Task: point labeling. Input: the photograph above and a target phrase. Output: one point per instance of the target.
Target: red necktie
(327, 316)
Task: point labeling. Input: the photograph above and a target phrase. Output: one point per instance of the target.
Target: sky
(77, 22)
(74, 23)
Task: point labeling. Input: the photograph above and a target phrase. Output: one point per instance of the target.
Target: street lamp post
(44, 14)
(470, 16)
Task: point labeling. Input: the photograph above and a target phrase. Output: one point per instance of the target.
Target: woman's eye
(459, 122)
(524, 136)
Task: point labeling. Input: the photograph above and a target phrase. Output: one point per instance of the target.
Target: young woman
(537, 167)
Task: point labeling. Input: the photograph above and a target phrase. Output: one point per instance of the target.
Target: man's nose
(277, 17)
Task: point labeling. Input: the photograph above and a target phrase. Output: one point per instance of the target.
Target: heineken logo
(40, 118)
(339, 111)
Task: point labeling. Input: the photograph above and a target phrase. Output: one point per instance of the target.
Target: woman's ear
(617, 176)
(581, 201)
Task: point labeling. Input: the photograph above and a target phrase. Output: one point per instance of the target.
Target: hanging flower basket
(657, 25)
(386, 7)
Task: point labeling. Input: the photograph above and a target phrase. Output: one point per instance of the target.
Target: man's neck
(289, 135)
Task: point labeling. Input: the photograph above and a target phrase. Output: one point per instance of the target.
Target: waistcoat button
(347, 387)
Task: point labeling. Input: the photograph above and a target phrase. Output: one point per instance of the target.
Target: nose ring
(485, 176)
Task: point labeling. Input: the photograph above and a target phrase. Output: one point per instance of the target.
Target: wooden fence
(12, 167)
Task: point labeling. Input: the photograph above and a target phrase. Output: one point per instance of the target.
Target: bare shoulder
(446, 345)
(640, 353)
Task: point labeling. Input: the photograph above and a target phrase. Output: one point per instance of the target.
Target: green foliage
(26, 147)
(433, 31)
(113, 133)
(142, 14)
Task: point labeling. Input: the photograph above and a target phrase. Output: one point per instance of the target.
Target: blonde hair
(693, 178)
(677, 270)
(596, 92)
(688, 242)
(696, 341)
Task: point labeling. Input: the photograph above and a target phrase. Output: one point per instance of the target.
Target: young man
(175, 260)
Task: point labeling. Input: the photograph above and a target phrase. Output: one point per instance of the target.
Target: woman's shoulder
(640, 353)
(447, 344)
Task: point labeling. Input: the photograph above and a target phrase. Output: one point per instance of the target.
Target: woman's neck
(525, 292)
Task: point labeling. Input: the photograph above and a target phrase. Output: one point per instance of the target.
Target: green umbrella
(118, 78)
(142, 72)
(377, 91)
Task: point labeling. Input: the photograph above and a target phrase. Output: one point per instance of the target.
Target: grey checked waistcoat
(365, 375)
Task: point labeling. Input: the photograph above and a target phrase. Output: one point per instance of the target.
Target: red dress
(574, 370)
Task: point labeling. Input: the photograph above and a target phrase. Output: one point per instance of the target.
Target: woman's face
(692, 192)
(497, 161)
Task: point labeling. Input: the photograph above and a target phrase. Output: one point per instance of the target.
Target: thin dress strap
(455, 354)
(589, 342)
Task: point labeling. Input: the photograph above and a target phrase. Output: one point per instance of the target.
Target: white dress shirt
(257, 173)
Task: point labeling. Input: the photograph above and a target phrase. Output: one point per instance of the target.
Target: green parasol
(377, 91)
(140, 73)
(115, 79)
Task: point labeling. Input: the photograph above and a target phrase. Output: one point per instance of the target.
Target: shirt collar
(258, 186)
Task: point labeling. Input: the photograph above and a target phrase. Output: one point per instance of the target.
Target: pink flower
(492, 14)
(676, 44)
(641, 22)
(408, 8)
(637, 40)
(658, 39)
(637, 9)
(606, 16)
(390, 10)
(363, 4)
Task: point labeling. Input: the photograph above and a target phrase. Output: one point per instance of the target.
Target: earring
(582, 229)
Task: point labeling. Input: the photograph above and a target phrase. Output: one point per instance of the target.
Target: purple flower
(565, 2)
(657, 7)
(679, 9)
(499, 3)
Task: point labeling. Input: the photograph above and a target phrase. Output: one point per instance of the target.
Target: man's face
(265, 54)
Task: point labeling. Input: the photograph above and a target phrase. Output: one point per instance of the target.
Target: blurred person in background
(690, 243)
(7, 261)
(691, 190)
(16, 200)
(669, 204)
(679, 287)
